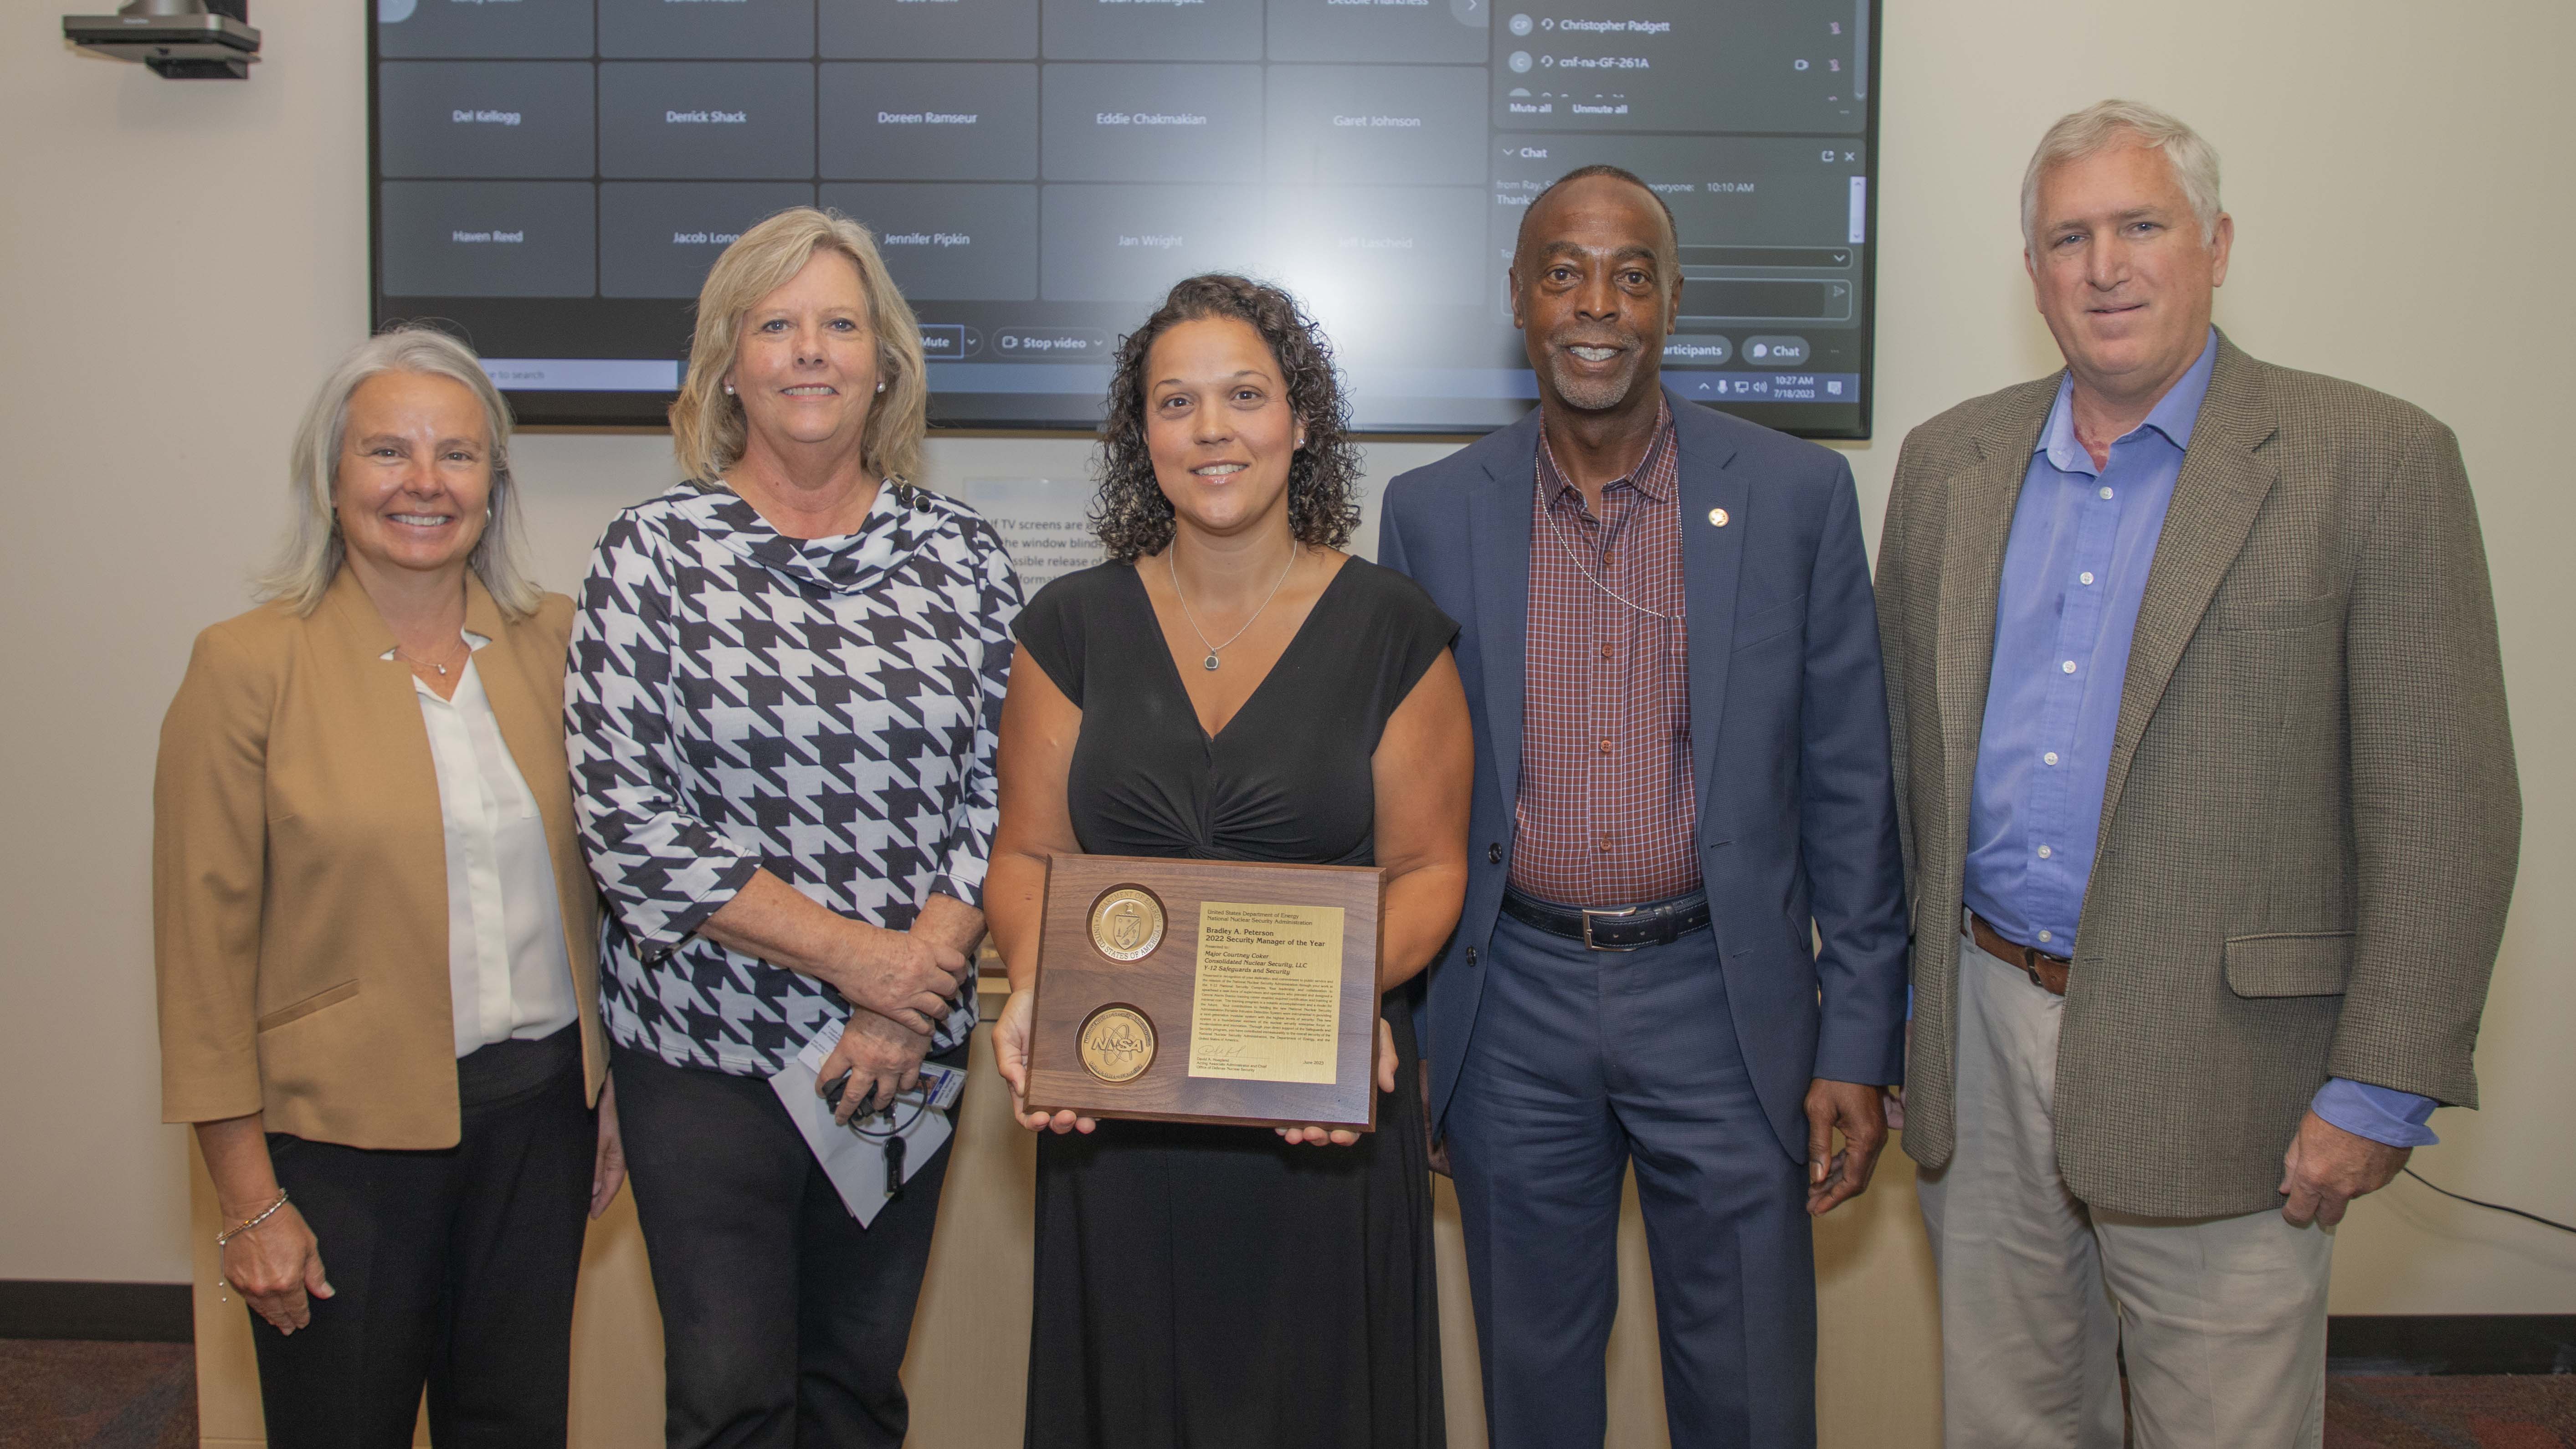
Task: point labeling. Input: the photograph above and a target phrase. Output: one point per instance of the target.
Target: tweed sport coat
(2309, 834)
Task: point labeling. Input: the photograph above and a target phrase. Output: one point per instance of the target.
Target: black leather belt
(1626, 929)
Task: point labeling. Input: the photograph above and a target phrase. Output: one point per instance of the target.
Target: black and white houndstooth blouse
(826, 708)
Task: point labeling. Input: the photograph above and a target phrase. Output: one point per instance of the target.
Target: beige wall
(967, 1370)
(181, 260)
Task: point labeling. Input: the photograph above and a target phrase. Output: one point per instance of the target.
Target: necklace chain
(410, 658)
(1213, 650)
(1548, 507)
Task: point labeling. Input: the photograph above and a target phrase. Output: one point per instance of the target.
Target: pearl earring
(880, 387)
(728, 389)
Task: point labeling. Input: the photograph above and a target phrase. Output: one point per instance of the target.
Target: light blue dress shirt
(2074, 572)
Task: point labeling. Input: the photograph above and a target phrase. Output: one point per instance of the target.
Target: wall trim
(2451, 1343)
(101, 1312)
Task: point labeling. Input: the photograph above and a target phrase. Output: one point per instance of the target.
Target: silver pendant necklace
(1210, 662)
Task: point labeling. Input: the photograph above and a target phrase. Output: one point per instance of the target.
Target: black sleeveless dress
(1203, 1287)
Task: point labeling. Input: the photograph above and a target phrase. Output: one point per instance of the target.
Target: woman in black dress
(1231, 686)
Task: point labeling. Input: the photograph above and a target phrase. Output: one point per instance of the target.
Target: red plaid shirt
(1607, 816)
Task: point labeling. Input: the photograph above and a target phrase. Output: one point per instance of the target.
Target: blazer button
(1471, 955)
(1494, 854)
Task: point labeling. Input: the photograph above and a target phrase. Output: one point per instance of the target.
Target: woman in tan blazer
(375, 936)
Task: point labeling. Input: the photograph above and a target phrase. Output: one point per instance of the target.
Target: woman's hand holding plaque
(1343, 1137)
(1192, 990)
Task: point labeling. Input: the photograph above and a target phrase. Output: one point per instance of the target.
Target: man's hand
(2327, 1167)
(882, 1058)
(1856, 1110)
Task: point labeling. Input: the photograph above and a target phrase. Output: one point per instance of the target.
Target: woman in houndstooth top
(784, 692)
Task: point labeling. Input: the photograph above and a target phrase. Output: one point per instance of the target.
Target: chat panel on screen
(554, 177)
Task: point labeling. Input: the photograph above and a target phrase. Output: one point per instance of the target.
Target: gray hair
(2105, 124)
(313, 552)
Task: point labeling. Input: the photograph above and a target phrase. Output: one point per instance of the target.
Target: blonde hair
(2105, 124)
(707, 426)
(313, 552)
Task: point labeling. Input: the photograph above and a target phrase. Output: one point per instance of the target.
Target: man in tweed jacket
(2202, 651)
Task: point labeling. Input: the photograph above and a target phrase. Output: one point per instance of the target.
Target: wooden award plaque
(1208, 991)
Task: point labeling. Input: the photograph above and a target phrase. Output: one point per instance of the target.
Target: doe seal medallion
(1117, 1043)
(1126, 924)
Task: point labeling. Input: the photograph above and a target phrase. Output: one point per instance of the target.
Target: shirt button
(2043, 852)
(1605, 747)
(2106, 493)
(2068, 666)
(2044, 936)
(2087, 577)
(1605, 651)
(2050, 757)
(1605, 840)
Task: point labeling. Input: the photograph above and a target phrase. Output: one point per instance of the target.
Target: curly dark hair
(1130, 515)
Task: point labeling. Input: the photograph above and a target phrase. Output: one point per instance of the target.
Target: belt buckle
(1590, 945)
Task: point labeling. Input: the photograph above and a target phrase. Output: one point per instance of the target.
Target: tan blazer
(299, 870)
(2311, 826)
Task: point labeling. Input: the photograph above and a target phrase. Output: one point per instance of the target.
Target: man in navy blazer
(1684, 938)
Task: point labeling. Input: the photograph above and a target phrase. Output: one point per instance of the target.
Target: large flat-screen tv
(553, 178)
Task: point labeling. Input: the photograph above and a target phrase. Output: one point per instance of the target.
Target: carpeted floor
(58, 1394)
(2463, 1412)
(64, 1395)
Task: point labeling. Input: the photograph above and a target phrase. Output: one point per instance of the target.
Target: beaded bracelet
(270, 1211)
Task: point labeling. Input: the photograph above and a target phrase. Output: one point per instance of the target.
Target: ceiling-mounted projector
(179, 39)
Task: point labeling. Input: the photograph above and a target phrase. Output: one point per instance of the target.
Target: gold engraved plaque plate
(1126, 924)
(1173, 989)
(1117, 1044)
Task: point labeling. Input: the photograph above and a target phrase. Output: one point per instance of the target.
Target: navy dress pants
(1582, 1062)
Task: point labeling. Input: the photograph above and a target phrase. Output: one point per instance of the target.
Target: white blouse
(506, 969)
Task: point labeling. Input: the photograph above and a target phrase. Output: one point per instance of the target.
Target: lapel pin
(1717, 517)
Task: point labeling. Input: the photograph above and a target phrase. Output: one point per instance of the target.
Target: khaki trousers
(2222, 1321)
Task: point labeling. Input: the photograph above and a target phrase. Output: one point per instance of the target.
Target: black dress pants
(784, 1322)
(451, 1268)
